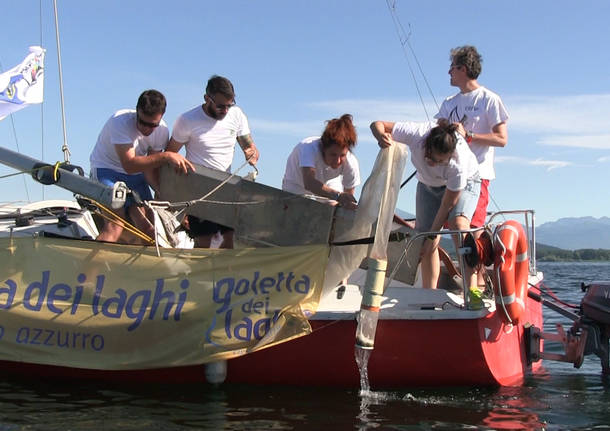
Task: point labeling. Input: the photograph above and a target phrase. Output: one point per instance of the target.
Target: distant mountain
(574, 233)
(570, 233)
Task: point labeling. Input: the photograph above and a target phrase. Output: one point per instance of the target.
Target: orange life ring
(511, 265)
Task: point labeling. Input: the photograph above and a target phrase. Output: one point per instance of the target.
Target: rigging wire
(64, 147)
(496, 204)
(403, 38)
(42, 104)
(25, 184)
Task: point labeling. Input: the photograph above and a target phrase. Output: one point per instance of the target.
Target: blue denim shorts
(428, 201)
(136, 183)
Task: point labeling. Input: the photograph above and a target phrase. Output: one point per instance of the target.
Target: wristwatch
(469, 136)
(336, 196)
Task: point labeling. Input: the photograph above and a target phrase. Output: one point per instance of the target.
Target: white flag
(22, 85)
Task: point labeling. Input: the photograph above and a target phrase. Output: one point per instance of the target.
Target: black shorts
(198, 227)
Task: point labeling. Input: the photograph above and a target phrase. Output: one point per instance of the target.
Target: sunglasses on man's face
(220, 106)
(146, 123)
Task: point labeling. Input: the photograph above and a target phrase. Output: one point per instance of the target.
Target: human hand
(460, 129)
(252, 155)
(347, 200)
(181, 165)
(385, 140)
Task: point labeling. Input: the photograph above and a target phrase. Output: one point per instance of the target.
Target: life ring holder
(511, 265)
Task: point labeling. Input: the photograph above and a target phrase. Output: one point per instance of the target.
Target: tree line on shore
(548, 253)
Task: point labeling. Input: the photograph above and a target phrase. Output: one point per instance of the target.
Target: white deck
(401, 301)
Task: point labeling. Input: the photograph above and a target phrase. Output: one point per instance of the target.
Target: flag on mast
(23, 84)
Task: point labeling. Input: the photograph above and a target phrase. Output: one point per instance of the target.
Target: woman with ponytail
(448, 182)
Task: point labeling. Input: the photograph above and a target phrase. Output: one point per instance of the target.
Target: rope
(55, 170)
(549, 292)
(484, 250)
(497, 268)
(156, 230)
(191, 202)
(114, 218)
(326, 326)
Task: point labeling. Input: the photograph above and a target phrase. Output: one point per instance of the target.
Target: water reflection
(549, 401)
(465, 408)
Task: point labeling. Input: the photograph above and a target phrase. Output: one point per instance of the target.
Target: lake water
(561, 398)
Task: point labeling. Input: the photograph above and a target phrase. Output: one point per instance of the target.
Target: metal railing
(529, 217)
(529, 220)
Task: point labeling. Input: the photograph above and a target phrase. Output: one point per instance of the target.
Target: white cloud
(580, 141)
(604, 159)
(578, 115)
(364, 111)
(574, 115)
(548, 164)
(568, 121)
(369, 110)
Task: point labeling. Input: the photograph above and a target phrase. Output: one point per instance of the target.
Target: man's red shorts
(480, 214)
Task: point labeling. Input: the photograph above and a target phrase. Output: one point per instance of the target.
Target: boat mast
(64, 147)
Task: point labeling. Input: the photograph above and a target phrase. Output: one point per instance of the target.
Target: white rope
(497, 240)
(155, 226)
(179, 214)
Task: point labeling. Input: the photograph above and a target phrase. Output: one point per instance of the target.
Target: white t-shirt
(462, 165)
(307, 154)
(121, 129)
(483, 110)
(210, 142)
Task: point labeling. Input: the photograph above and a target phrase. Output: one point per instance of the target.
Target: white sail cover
(22, 85)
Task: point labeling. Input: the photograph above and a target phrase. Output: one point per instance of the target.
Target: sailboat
(283, 307)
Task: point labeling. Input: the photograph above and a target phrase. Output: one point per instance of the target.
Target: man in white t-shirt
(480, 115)
(209, 132)
(325, 166)
(129, 147)
(481, 118)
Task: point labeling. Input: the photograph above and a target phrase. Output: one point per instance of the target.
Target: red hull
(407, 353)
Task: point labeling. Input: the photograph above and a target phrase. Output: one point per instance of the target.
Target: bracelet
(336, 197)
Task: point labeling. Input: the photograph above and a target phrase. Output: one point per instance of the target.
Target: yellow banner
(107, 306)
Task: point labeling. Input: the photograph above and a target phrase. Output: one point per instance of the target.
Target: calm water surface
(561, 398)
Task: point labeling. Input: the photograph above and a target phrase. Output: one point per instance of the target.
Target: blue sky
(295, 64)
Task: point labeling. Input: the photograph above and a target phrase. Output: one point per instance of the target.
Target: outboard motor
(595, 305)
(595, 310)
(589, 334)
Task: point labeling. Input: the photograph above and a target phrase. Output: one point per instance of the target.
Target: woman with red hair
(325, 166)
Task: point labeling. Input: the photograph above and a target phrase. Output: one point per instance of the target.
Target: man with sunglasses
(209, 133)
(481, 119)
(129, 149)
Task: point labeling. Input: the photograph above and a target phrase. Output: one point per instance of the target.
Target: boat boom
(44, 173)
